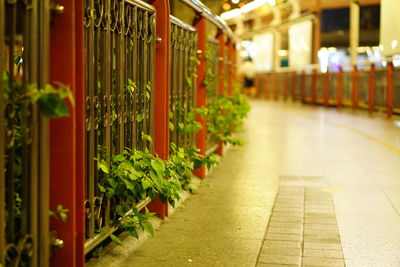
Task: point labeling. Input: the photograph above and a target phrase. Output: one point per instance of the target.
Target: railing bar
(142, 5)
(91, 243)
(2, 143)
(181, 24)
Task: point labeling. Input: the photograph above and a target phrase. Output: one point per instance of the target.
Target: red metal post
(314, 87)
(162, 88)
(201, 136)
(326, 88)
(355, 87)
(390, 89)
(66, 134)
(371, 84)
(221, 84)
(339, 93)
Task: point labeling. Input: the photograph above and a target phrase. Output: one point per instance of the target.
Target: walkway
(338, 178)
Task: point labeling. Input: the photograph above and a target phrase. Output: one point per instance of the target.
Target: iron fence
(380, 88)
(24, 179)
(333, 85)
(212, 74)
(363, 87)
(119, 58)
(183, 93)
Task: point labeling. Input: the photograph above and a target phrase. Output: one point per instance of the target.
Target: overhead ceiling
(329, 4)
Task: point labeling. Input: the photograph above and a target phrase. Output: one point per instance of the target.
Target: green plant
(59, 212)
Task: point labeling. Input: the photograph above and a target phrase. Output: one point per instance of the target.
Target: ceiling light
(235, 1)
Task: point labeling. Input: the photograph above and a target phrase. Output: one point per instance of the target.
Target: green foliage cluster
(225, 115)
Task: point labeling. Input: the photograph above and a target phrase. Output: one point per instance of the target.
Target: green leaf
(103, 167)
(52, 214)
(171, 126)
(139, 117)
(146, 137)
(119, 158)
(63, 217)
(101, 188)
(148, 227)
(133, 232)
(52, 106)
(116, 240)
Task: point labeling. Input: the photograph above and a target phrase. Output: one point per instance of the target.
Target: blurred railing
(183, 92)
(24, 195)
(365, 86)
(120, 49)
(212, 74)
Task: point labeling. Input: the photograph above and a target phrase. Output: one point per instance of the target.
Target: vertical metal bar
(135, 58)
(151, 70)
(120, 50)
(2, 138)
(145, 78)
(43, 172)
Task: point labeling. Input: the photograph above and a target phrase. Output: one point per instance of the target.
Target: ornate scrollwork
(10, 116)
(16, 255)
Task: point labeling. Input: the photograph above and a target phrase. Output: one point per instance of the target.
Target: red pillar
(162, 88)
(267, 84)
(303, 86)
(355, 87)
(285, 84)
(339, 93)
(67, 135)
(201, 136)
(390, 89)
(293, 86)
(221, 82)
(371, 88)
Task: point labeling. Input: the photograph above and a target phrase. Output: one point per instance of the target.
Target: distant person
(248, 70)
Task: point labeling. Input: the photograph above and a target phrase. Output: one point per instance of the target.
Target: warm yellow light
(235, 1)
(226, 6)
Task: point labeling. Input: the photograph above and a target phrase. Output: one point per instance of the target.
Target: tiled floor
(302, 230)
(225, 222)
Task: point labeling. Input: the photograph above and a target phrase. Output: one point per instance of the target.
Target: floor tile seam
(266, 229)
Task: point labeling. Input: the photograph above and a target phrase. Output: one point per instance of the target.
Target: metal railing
(183, 69)
(212, 74)
(24, 161)
(366, 86)
(120, 48)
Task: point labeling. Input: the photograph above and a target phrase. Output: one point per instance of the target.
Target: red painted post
(201, 136)
(371, 84)
(293, 86)
(314, 87)
(276, 86)
(339, 93)
(326, 88)
(221, 83)
(66, 48)
(355, 87)
(390, 89)
(162, 84)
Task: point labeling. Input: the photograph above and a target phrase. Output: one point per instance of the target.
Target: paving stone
(319, 215)
(281, 251)
(279, 259)
(323, 253)
(289, 209)
(322, 239)
(321, 226)
(322, 262)
(286, 225)
(292, 231)
(321, 232)
(283, 237)
(322, 246)
(286, 219)
(275, 265)
(288, 214)
(319, 221)
(282, 244)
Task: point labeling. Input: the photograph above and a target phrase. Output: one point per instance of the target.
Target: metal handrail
(181, 23)
(142, 5)
(204, 11)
